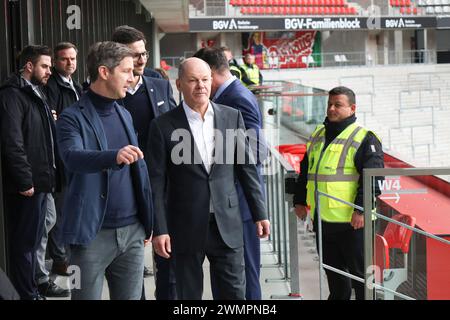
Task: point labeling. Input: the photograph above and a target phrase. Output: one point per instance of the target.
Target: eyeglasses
(143, 55)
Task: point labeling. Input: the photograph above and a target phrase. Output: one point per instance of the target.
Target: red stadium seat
(397, 236)
(394, 237)
(381, 257)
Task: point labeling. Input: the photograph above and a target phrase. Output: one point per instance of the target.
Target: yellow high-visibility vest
(236, 71)
(333, 172)
(252, 73)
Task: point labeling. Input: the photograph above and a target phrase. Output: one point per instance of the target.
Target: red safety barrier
(293, 153)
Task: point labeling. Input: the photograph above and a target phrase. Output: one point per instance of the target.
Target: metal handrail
(368, 175)
(349, 275)
(284, 232)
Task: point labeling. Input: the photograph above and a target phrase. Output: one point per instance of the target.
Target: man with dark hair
(146, 99)
(128, 35)
(229, 91)
(62, 91)
(29, 165)
(107, 205)
(234, 67)
(337, 153)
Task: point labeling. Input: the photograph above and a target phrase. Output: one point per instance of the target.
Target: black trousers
(343, 249)
(165, 278)
(25, 218)
(227, 270)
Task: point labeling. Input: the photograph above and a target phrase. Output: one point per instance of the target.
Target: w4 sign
(391, 189)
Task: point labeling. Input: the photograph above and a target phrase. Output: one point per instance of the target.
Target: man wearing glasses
(146, 99)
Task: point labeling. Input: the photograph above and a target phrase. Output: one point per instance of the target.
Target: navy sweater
(121, 208)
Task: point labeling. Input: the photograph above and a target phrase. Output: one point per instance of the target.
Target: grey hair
(108, 54)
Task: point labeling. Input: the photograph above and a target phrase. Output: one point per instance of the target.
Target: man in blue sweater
(108, 206)
(146, 99)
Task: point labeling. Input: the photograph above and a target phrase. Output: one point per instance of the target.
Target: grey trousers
(118, 255)
(42, 274)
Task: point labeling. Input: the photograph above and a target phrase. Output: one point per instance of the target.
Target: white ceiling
(170, 15)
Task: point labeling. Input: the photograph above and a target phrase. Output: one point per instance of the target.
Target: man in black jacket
(62, 91)
(29, 163)
(337, 153)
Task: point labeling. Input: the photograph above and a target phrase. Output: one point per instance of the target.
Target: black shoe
(147, 272)
(60, 268)
(39, 297)
(51, 289)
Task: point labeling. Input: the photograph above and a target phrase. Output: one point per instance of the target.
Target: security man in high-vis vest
(337, 153)
(234, 67)
(251, 75)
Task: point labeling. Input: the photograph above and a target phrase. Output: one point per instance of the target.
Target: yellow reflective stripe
(333, 178)
(317, 137)
(345, 150)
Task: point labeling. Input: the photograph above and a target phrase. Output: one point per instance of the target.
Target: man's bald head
(194, 81)
(191, 63)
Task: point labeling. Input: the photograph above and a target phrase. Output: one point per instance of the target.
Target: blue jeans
(118, 255)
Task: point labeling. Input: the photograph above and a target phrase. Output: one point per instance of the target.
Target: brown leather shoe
(60, 268)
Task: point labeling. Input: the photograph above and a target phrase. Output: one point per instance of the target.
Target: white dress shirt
(70, 82)
(131, 90)
(203, 132)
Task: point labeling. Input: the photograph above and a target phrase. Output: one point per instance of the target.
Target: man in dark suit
(228, 90)
(196, 153)
(146, 99)
(62, 91)
(107, 206)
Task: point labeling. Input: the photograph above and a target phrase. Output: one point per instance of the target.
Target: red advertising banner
(281, 49)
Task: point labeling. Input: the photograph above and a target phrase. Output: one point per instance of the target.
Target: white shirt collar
(65, 79)
(223, 87)
(131, 90)
(194, 115)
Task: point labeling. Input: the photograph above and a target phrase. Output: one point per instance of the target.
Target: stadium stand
(295, 7)
(433, 7)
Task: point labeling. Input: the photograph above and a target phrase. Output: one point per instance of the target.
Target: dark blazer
(148, 72)
(59, 93)
(88, 163)
(188, 187)
(237, 96)
(160, 94)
